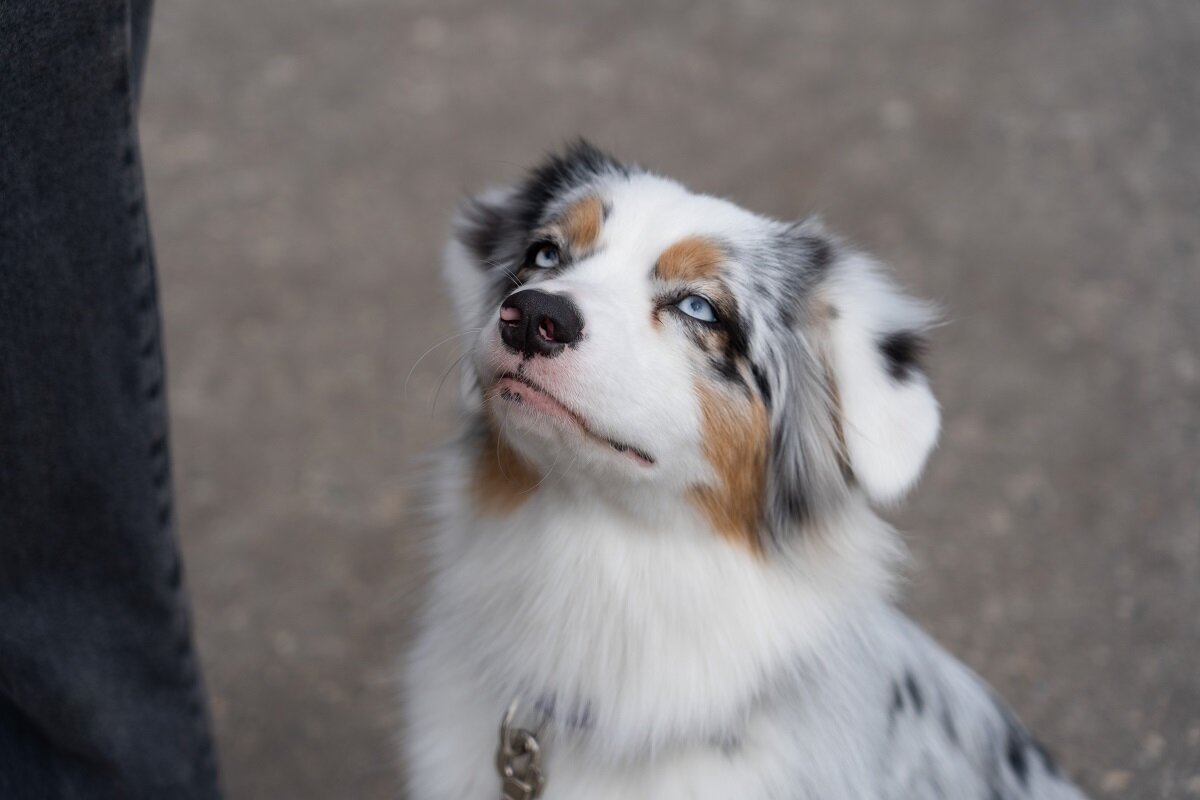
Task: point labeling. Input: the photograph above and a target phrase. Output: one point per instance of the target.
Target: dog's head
(661, 340)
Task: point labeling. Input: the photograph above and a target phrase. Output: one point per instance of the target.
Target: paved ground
(1034, 167)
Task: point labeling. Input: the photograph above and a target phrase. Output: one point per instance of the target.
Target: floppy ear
(483, 232)
(489, 229)
(485, 229)
(889, 419)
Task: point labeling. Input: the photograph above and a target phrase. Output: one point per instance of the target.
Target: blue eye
(697, 307)
(547, 257)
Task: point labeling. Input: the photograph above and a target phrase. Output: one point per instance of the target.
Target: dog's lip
(637, 454)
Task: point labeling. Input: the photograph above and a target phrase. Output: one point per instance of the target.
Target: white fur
(704, 670)
(890, 426)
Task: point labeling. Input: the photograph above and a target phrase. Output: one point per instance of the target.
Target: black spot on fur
(481, 228)
(903, 351)
(1015, 751)
(805, 257)
(793, 505)
(820, 253)
(914, 692)
(897, 705)
(580, 163)
(1016, 746)
(736, 344)
(807, 249)
(729, 743)
(787, 315)
(728, 370)
(764, 387)
(949, 726)
(735, 328)
(793, 294)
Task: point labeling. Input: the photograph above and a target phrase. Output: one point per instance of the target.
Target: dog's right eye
(546, 256)
(697, 307)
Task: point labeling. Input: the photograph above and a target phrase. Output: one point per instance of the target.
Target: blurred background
(1034, 167)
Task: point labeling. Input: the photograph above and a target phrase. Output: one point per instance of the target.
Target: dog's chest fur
(676, 667)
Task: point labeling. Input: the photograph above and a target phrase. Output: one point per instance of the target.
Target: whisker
(500, 461)
(442, 382)
(549, 472)
(567, 471)
(450, 338)
(512, 276)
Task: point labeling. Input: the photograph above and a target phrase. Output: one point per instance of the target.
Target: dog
(656, 570)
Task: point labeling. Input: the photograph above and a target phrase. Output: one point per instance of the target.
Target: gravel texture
(1033, 167)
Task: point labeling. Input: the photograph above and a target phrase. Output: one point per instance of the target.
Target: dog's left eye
(697, 307)
(547, 256)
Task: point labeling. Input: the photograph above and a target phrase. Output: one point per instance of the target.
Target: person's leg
(99, 691)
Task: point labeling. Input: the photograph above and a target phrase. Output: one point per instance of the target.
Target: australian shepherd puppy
(656, 568)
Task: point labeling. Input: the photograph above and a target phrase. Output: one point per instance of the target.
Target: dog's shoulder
(948, 734)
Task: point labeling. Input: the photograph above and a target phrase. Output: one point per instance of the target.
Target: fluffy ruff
(656, 533)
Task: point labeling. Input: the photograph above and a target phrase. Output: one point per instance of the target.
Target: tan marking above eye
(581, 224)
(690, 259)
(735, 433)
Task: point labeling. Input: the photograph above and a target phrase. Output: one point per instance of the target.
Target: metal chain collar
(519, 760)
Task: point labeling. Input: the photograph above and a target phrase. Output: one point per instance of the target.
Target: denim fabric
(100, 695)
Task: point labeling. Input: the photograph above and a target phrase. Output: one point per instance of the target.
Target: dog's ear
(886, 416)
(486, 227)
(850, 406)
(490, 228)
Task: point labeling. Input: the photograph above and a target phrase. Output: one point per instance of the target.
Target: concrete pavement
(1033, 167)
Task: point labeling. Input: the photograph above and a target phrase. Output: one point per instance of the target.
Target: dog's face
(636, 333)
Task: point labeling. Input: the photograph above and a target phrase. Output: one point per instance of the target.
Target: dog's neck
(652, 631)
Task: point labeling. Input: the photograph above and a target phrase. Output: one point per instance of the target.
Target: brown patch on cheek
(691, 259)
(581, 224)
(503, 480)
(735, 432)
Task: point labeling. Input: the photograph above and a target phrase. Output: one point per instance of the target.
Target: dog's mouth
(520, 390)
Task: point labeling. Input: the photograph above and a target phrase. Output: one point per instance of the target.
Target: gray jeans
(100, 695)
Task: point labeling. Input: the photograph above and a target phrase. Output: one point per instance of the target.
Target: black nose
(539, 323)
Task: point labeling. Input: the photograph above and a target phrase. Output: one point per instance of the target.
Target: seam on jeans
(152, 372)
